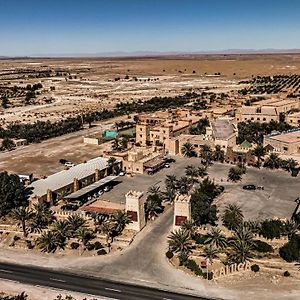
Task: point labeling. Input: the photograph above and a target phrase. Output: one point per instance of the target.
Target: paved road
(87, 285)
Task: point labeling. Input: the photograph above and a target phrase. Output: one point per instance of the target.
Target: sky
(44, 27)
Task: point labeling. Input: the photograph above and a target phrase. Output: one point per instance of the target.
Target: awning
(90, 188)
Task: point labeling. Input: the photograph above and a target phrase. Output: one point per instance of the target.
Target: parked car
(76, 202)
(67, 207)
(122, 173)
(100, 193)
(167, 166)
(249, 187)
(170, 160)
(107, 188)
(69, 164)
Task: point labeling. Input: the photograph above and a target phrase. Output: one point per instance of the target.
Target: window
(285, 148)
(264, 119)
(141, 135)
(252, 118)
(258, 119)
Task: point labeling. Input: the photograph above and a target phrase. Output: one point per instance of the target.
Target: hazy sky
(29, 27)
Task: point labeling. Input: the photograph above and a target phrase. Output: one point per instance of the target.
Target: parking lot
(143, 182)
(277, 198)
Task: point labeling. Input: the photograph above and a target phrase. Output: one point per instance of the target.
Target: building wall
(282, 147)
(260, 118)
(293, 120)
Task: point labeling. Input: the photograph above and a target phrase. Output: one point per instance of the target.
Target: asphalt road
(87, 285)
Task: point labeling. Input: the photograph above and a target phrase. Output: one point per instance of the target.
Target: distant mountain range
(163, 53)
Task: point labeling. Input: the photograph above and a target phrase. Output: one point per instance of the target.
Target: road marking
(113, 290)
(5, 271)
(59, 280)
(167, 299)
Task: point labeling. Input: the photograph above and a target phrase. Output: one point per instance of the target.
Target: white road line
(113, 290)
(5, 271)
(60, 280)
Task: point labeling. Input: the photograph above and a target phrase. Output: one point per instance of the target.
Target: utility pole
(296, 209)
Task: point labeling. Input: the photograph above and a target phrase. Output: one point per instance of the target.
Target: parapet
(182, 198)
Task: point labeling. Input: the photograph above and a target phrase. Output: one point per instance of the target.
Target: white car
(122, 173)
(100, 193)
(107, 188)
(69, 164)
(167, 166)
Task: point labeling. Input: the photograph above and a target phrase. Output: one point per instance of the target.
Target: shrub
(74, 245)
(255, 268)
(29, 244)
(199, 238)
(97, 245)
(291, 250)
(261, 246)
(90, 247)
(286, 274)
(272, 229)
(193, 266)
(208, 276)
(16, 238)
(101, 252)
(169, 254)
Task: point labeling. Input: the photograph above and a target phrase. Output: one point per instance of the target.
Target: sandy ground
(40, 293)
(89, 84)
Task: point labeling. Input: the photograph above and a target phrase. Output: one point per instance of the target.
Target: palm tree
(191, 171)
(290, 228)
(187, 150)
(153, 206)
(232, 216)
(242, 244)
(184, 185)
(210, 252)
(234, 174)
(171, 182)
(116, 144)
(219, 154)
(74, 223)
(107, 228)
(259, 152)
(61, 229)
(169, 195)
(206, 154)
(111, 161)
(273, 161)
(180, 242)
(289, 164)
(189, 226)
(121, 219)
(99, 218)
(216, 238)
(202, 171)
(84, 235)
(22, 214)
(241, 251)
(48, 242)
(42, 217)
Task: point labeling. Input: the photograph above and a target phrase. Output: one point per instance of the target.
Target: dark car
(71, 207)
(170, 160)
(250, 187)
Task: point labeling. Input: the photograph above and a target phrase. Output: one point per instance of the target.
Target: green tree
(232, 217)
(48, 242)
(273, 161)
(188, 150)
(74, 223)
(216, 238)
(42, 217)
(234, 174)
(210, 252)
(121, 219)
(8, 144)
(189, 226)
(259, 152)
(23, 215)
(191, 171)
(180, 242)
(272, 229)
(13, 194)
(218, 154)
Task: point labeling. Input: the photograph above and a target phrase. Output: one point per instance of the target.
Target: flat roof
(222, 129)
(91, 187)
(103, 206)
(66, 177)
(292, 136)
